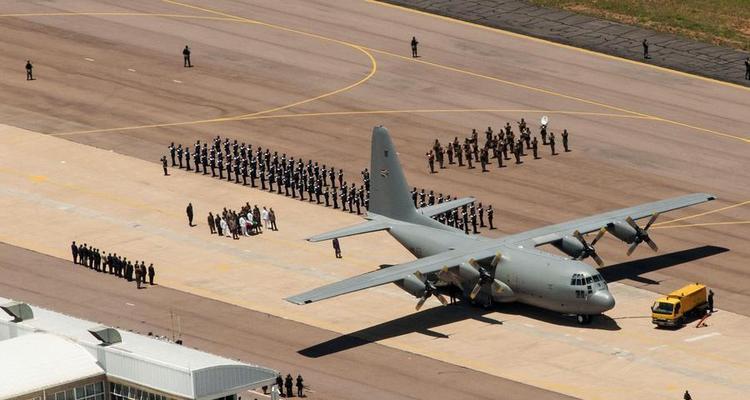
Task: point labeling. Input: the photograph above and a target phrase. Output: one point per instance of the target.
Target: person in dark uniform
(151, 273)
(687, 396)
(220, 166)
(747, 68)
(289, 383)
(335, 199)
(645, 49)
(414, 44)
(144, 272)
(186, 57)
(327, 197)
(29, 71)
(300, 385)
(710, 301)
(172, 152)
(535, 147)
(280, 384)
(480, 211)
(431, 161)
(187, 158)
(189, 211)
(179, 154)
(211, 225)
(217, 223)
(565, 139)
(337, 247)
(552, 142)
(490, 216)
(74, 250)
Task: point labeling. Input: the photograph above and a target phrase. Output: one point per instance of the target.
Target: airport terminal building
(45, 355)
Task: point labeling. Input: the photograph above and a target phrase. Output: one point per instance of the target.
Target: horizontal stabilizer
(436, 209)
(365, 227)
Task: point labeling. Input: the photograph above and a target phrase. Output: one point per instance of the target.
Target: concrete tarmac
(366, 371)
(311, 79)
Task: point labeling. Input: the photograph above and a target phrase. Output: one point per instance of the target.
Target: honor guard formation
(312, 181)
(119, 266)
(459, 217)
(496, 146)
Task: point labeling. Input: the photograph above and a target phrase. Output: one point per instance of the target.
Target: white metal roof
(158, 364)
(38, 361)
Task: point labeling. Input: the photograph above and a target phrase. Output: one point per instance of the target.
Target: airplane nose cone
(603, 300)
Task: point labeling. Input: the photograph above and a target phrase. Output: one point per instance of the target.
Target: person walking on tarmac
(189, 212)
(414, 44)
(29, 71)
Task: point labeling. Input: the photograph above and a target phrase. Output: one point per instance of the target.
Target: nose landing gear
(583, 319)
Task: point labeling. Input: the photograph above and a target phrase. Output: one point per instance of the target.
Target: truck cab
(676, 307)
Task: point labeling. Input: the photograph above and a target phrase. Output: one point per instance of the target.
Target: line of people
(289, 383)
(249, 221)
(240, 162)
(460, 217)
(119, 266)
(496, 146)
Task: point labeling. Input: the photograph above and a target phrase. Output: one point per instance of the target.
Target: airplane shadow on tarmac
(633, 269)
(424, 321)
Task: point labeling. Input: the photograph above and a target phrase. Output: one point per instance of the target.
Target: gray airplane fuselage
(535, 277)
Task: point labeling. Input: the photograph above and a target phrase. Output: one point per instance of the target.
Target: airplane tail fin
(389, 193)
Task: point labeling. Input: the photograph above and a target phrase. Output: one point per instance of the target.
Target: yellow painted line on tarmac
(703, 224)
(702, 214)
(553, 93)
(564, 46)
(113, 14)
(431, 111)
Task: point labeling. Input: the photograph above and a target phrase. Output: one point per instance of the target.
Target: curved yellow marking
(553, 93)
(702, 214)
(703, 224)
(224, 17)
(564, 46)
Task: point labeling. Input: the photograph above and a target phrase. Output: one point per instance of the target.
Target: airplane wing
(436, 209)
(551, 233)
(381, 277)
(364, 227)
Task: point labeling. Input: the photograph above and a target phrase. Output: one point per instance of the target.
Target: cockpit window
(596, 278)
(588, 280)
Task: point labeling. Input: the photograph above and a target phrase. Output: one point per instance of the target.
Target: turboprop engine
(629, 232)
(576, 246)
(419, 286)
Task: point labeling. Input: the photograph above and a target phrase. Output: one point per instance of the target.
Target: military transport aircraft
(503, 270)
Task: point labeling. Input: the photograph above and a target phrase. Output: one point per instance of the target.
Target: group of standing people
(119, 266)
(248, 221)
(496, 146)
(289, 384)
(460, 217)
(292, 177)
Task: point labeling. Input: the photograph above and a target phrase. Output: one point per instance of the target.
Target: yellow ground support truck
(683, 303)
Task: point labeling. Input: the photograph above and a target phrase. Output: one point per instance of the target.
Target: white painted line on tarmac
(131, 70)
(529, 325)
(701, 337)
(657, 347)
(88, 59)
(130, 304)
(176, 81)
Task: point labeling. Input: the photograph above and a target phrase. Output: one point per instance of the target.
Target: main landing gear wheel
(583, 319)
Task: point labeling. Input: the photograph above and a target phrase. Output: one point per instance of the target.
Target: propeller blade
(580, 238)
(421, 302)
(441, 298)
(598, 259)
(632, 247)
(475, 291)
(599, 236)
(633, 224)
(496, 260)
(651, 244)
(651, 221)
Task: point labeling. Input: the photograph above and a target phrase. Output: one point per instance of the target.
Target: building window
(125, 392)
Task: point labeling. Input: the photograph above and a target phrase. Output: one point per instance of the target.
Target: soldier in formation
(496, 145)
(101, 261)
